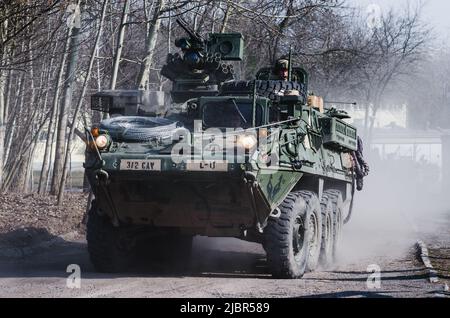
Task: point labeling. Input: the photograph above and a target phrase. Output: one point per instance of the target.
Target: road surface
(220, 268)
(231, 268)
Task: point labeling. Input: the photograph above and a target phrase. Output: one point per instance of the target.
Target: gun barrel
(192, 34)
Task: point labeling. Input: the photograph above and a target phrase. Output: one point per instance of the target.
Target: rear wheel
(338, 221)
(326, 254)
(286, 239)
(109, 247)
(315, 227)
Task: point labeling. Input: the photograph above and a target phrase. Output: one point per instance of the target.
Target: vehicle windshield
(230, 113)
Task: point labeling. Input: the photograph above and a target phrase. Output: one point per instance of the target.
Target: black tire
(268, 88)
(326, 254)
(315, 226)
(109, 250)
(338, 221)
(286, 237)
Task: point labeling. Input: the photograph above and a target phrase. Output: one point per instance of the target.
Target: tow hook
(249, 177)
(102, 176)
(243, 230)
(275, 213)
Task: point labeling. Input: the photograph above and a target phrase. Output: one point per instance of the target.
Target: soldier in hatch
(281, 69)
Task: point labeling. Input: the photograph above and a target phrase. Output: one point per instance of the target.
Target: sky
(435, 12)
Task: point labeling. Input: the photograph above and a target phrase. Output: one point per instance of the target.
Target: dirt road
(231, 268)
(220, 268)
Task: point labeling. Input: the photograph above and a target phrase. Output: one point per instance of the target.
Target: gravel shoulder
(28, 220)
(438, 242)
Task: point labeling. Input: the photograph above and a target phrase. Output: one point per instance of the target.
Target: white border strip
(424, 255)
(432, 273)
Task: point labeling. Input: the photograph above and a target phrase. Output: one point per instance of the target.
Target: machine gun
(194, 41)
(200, 68)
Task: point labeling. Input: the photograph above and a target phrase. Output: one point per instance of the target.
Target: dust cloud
(402, 202)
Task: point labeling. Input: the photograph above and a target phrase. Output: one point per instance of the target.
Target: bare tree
(38, 52)
(118, 50)
(153, 27)
(396, 47)
(80, 101)
(64, 110)
(3, 36)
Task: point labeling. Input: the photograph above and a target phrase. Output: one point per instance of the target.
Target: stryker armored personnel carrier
(258, 160)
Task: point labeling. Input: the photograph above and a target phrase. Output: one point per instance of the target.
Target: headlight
(247, 141)
(102, 142)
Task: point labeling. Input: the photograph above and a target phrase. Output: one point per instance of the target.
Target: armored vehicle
(258, 160)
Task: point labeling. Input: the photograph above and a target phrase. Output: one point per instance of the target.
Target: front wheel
(287, 238)
(110, 250)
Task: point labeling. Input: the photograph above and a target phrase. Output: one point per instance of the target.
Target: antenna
(342, 103)
(254, 104)
(290, 64)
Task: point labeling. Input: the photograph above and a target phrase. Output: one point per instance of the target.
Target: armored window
(231, 114)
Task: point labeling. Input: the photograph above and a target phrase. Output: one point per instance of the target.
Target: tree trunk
(226, 17)
(7, 96)
(213, 18)
(52, 124)
(3, 54)
(119, 46)
(2, 125)
(281, 29)
(19, 156)
(69, 81)
(80, 102)
(28, 161)
(152, 37)
(28, 186)
(12, 178)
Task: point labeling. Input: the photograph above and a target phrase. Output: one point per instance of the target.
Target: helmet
(282, 64)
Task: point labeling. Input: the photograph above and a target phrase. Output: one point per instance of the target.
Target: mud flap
(261, 206)
(276, 185)
(268, 191)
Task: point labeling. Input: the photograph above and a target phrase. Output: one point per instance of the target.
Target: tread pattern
(314, 204)
(103, 244)
(326, 254)
(278, 236)
(337, 203)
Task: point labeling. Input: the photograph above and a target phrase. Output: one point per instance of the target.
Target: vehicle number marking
(138, 165)
(207, 165)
